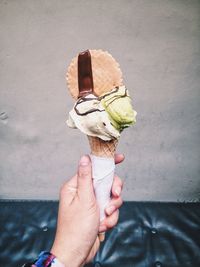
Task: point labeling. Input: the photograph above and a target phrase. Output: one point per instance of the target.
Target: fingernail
(101, 237)
(123, 156)
(118, 191)
(84, 161)
(110, 210)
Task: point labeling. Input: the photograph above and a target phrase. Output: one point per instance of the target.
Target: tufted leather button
(153, 231)
(158, 264)
(45, 229)
(97, 264)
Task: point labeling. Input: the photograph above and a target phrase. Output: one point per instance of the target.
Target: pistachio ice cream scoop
(118, 106)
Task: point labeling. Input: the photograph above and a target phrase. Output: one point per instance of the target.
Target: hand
(78, 217)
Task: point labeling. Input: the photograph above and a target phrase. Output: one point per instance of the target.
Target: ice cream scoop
(105, 116)
(119, 108)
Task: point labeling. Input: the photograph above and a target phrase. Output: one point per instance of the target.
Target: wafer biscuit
(106, 73)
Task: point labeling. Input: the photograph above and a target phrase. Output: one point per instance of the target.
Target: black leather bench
(149, 234)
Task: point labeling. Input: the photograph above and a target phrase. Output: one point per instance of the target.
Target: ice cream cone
(104, 74)
(102, 148)
(96, 74)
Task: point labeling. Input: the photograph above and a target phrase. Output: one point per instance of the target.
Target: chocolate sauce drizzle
(87, 99)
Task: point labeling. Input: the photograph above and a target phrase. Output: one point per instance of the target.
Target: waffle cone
(106, 73)
(102, 148)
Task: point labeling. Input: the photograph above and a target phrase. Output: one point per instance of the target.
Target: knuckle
(111, 223)
(113, 220)
(63, 192)
(84, 172)
(63, 189)
(68, 188)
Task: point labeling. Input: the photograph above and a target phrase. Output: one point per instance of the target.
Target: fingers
(112, 210)
(109, 222)
(119, 158)
(84, 177)
(117, 186)
(114, 205)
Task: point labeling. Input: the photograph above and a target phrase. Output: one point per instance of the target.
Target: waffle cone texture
(102, 148)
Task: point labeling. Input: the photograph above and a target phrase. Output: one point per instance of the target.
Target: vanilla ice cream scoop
(105, 116)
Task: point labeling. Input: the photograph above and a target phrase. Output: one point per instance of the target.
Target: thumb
(85, 186)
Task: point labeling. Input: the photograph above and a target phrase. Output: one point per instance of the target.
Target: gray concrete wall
(157, 44)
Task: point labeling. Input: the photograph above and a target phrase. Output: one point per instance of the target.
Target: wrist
(45, 259)
(66, 257)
